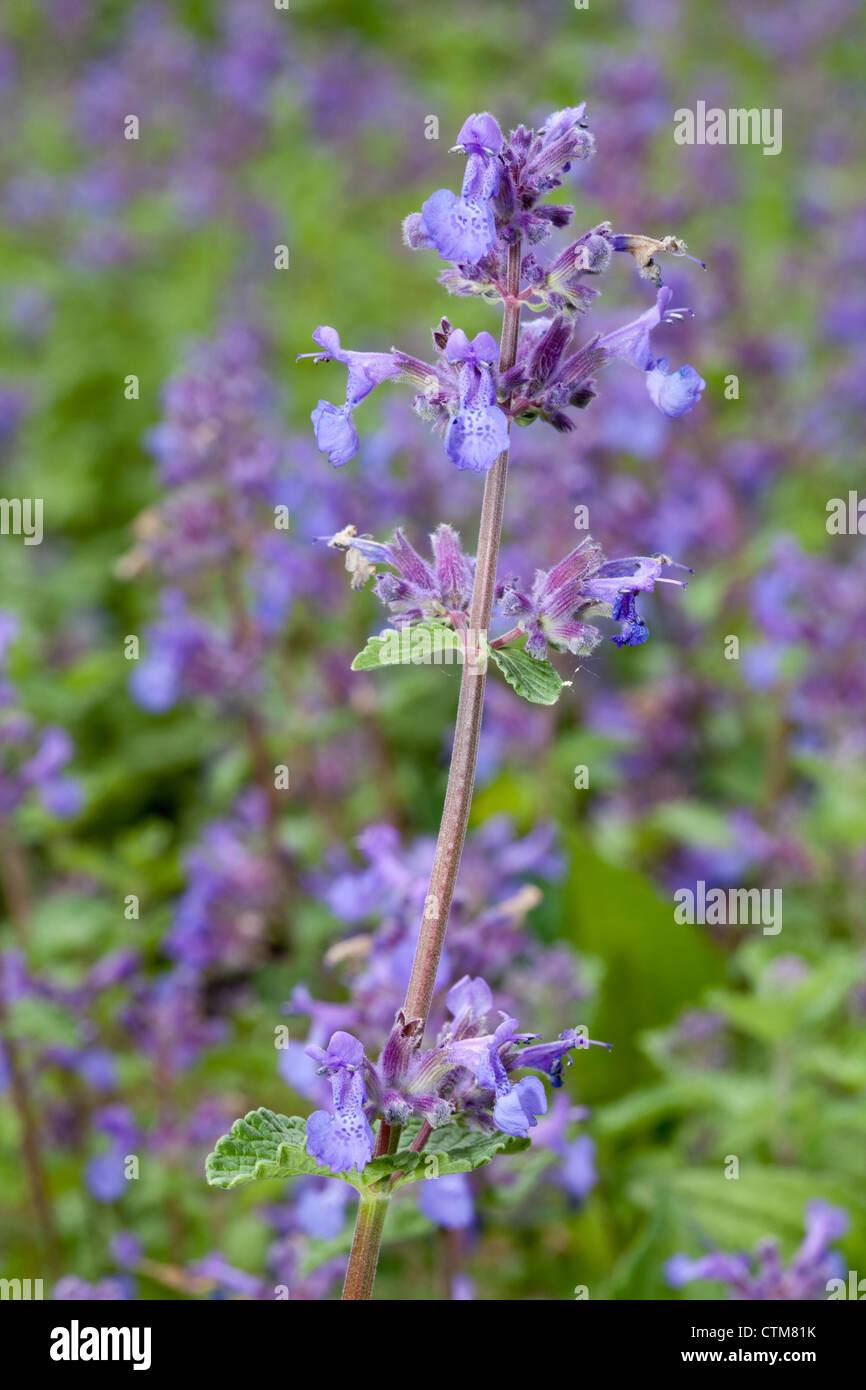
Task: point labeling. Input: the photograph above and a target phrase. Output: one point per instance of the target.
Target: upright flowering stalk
(459, 1098)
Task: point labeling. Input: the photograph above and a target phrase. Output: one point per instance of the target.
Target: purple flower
(634, 630)
(320, 1207)
(60, 795)
(167, 1021)
(632, 341)
(488, 935)
(186, 656)
(447, 1201)
(418, 590)
(73, 1289)
(97, 1067)
(32, 759)
(230, 895)
(674, 393)
(464, 229)
(335, 430)
(824, 1224)
(562, 139)
(561, 287)
(549, 1057)
(219, 422)
(9, 628)
(552, 611)
(467, 1074)
(126, 1249)
(618, 582)
(478, 433)
(468, 1001)
(298, 1070)
(479, 135)
(764, 1276)
(104, 1176)
(342, 1141)
(486, 1061)
(728, 1269)
(577, 1171)
(534, 163)
(228, 1279)
(104, 1173)
(547, 614)
(515, 1112)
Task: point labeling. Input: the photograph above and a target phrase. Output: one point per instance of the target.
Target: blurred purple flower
(764, 1276)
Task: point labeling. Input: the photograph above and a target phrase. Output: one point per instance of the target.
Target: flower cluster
(460, 393)
(467, 1074)
(221, 453)
(504, 180)
(231, 894)
(551, 611)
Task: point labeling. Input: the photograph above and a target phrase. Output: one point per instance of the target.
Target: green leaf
(375, 653)
(536, 681)
(31, 1021)
(386, 1164)
(692, 822)
(612, 912)
(265, 1145)
(639, 1272)
(455, 1149)
(421, 644)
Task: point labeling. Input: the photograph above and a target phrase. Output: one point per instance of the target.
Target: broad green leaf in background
(737, 1213)
(653, 965)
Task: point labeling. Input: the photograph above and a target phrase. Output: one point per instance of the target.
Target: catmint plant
(412, 1107)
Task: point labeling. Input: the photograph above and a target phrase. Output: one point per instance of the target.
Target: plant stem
(16, 886)
(361, 1270)
(467, 729)
(365, 1247)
